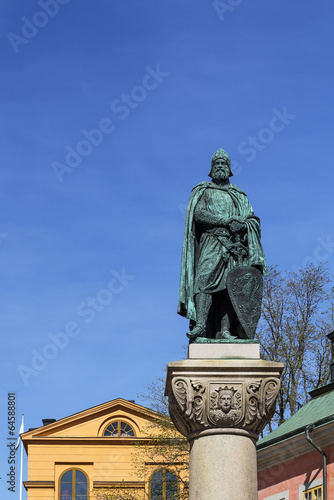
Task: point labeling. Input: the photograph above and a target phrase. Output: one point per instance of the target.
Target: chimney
(330, 336)
(47, 421)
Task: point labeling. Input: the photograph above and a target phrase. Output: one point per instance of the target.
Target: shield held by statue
(245, 286)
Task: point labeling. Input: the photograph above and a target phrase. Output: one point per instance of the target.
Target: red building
(296, 461)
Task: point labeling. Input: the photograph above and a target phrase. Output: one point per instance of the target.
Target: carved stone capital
(222, 396)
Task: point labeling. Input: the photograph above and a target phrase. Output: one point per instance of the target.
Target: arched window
(163, 486)
(73, 485)
(118, 429)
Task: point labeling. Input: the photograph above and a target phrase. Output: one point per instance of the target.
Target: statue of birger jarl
(222, 260)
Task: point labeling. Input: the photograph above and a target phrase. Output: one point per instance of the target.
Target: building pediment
(91, 423)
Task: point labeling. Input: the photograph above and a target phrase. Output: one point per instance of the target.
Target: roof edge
(322, 390)
(90, 411)
(293, 433)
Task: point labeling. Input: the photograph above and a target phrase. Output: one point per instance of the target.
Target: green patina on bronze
(222, 260)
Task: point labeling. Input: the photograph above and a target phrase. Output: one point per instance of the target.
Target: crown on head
(220, 153)
(226, 390)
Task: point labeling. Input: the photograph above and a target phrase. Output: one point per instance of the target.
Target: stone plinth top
(224, 351)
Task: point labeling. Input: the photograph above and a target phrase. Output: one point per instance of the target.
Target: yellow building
(93, 449)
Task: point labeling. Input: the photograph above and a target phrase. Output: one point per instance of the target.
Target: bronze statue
(222, 259)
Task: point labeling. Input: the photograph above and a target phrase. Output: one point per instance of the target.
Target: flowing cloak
(186, 304)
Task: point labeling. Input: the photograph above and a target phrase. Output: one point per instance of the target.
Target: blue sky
(110, 114)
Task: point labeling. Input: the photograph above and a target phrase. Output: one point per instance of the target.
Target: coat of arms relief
(198, 405)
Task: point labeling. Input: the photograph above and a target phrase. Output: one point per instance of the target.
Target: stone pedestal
(221, 406)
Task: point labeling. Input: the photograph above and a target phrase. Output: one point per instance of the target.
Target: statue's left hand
(236, 226)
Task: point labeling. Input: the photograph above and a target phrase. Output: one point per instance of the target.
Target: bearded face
(220, 170)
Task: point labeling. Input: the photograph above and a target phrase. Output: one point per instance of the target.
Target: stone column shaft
(223, 466)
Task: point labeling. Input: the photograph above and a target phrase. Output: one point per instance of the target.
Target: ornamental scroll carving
(200, 404)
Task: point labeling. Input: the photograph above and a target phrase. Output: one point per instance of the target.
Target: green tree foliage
(169, 448)
(297, 313)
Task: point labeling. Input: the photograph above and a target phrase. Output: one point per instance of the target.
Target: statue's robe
(206, 260)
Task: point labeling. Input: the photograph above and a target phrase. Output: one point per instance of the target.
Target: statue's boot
(203, 303)
(226, 321)
(225, 335)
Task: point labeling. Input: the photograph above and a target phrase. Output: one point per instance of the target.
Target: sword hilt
(240, 249)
